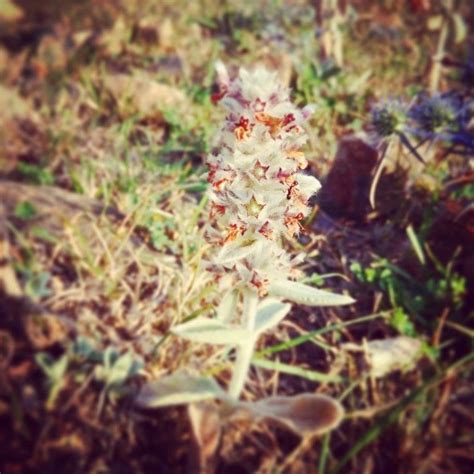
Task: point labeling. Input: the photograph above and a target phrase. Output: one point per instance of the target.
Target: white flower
(256, 191)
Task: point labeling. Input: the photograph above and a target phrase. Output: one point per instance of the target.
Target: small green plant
(413, 300)
(35, 173)
(55, 370)
(25, 210)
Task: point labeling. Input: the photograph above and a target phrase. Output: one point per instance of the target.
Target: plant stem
(245, 350)
(435, 74)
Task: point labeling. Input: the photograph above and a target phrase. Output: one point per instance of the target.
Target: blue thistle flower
(435, 117)
(388, 118)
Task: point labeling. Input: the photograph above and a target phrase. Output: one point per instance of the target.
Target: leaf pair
(217, 331)
(116, 368)
(306, 414)
(270, 312)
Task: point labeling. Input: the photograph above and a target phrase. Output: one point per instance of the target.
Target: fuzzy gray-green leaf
(178, 389)
(304, 294)
(211, 331)
(269, 313)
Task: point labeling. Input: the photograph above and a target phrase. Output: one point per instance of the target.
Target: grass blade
(374, 431)
(308, 336)
(292, 370)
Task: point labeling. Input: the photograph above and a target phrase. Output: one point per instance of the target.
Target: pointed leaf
(178, 389)
(269, 313)
(121, 369)
(227, 307)
(211, 331)
(304, 294)
(53, 368)
(411, 148)
(460, 28)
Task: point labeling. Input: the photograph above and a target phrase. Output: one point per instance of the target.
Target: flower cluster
(443, 117)
(438, 118)
(256, 191)
(388, 117)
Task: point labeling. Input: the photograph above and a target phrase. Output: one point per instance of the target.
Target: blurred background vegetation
(106, 117)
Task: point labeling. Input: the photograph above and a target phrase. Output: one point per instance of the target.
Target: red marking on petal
(288, 118)
(211, 173)
(283, 176)
(231, 234)
(219, 95)
(218, 184)
(292, 223)
(292, 192)
(266, 231)
(273, 123)
(242, 128)
(217, 209)
(261, 284)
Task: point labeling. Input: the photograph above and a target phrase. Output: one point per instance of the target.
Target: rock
(141, 94)
(54, 208)
(385, 356)
(20, 136)
(345, 192)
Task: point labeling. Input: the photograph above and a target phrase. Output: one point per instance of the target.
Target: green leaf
(25, 210)
(35, 173)
(120, 370)
(269, 313)
(37, 285)
(415, 243)
(116, 369)
(211, 331)
(401, 321)
(293, 370)
(177, 389)
(54, 369)
(303, 294)
(460, 28)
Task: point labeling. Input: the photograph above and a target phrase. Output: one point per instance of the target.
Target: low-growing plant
(414, 299)
(257, 195)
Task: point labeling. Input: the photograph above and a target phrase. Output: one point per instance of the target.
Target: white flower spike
(257, 191)
(257, 194)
